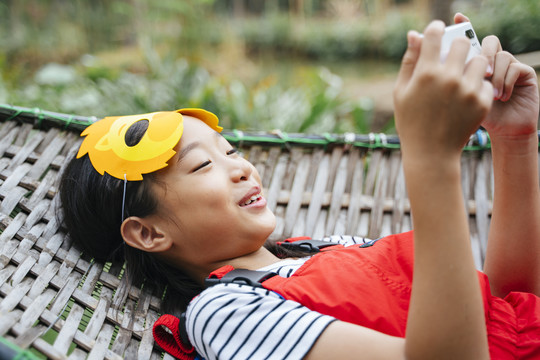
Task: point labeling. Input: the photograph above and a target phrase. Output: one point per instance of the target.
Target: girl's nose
(241, 169)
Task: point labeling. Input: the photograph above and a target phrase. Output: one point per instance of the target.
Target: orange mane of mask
(106, 146)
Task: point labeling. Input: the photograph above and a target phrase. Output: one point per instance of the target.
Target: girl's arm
(512, 259)
(437, 107)
(512, 262)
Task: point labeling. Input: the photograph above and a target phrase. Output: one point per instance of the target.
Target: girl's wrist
(515, 145)
(432, 167)
(431, 156)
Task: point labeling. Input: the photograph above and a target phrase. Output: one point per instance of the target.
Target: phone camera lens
(470, 34)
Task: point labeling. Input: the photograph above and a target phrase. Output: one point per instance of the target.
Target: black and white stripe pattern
(232, 321)
(346, 240)
(285, 268)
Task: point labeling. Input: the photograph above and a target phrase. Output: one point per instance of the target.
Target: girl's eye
(207, 162)
(235, 151)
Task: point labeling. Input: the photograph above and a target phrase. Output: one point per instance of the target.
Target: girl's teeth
(252, 199)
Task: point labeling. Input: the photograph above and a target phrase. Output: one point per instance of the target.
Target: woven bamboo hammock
(316, 185)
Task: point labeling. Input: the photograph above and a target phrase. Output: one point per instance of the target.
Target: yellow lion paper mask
(106, 146)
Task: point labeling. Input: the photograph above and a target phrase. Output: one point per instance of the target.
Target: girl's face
(211, 205)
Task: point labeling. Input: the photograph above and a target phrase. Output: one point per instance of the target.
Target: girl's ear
(140, 233)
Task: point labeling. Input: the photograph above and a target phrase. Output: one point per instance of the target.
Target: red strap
(293, 239)
(170, 340)
(221, 272)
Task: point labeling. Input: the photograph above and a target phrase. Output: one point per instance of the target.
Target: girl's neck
(253, 261)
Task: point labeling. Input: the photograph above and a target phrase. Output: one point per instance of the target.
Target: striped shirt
(233, 321)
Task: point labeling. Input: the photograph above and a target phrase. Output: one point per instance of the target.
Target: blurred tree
(441, 9)
(296, 8)
(238, 8)
(434, 9)
(382, 6)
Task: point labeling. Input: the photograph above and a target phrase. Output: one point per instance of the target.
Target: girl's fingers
(475, 71)
(490, 47)
(515, 71)
(487, 94)
(458, 54)
(431, 44)
(410, 58)
(460, 18)
(500, 69)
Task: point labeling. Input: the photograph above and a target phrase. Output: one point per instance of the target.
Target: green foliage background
(132, 56)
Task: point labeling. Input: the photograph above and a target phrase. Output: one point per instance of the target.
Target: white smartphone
(459, 30)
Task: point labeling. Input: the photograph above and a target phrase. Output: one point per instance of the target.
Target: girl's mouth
(252, 199)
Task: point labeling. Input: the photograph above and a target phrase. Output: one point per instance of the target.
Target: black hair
(91, 207)
(92, 214)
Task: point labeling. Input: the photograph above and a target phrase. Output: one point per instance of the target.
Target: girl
(200, 210)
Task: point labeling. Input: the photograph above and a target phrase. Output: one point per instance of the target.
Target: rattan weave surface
(314, 191)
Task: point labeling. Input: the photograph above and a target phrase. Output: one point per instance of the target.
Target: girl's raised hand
(439, 105)
(515, 91)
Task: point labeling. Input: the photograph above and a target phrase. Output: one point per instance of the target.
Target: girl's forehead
(197, 132)
(194, 127)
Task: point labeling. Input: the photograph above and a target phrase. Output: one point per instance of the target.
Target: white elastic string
(124, 197)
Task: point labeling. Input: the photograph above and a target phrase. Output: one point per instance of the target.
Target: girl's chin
(268, 228)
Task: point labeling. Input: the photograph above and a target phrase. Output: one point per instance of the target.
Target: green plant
(516, 23)
(318, 105)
